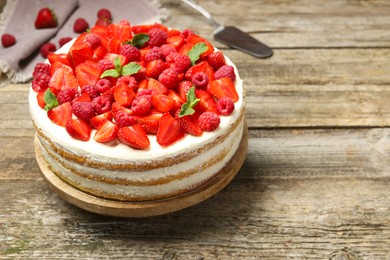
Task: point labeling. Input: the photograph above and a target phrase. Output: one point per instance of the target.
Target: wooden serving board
(148, 208)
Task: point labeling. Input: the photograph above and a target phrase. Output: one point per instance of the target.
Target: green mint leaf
(139, 40)
(50, 100)
(117, 64)
(130, 69)
(196, 51)
(110, 73)
(188, 107)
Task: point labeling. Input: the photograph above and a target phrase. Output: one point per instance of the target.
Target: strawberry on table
(46, 18)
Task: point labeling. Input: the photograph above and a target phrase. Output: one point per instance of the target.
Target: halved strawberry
(169, 130)
(88, 73)
(102, 32)
(120, 31)
(78, 129)
(41, 99)
(202, 66)
(61, 114)
(183, 88)
(194, 39)
(157, 87)
(206, 102)
(162, 102)
(186, 48)
(176, 41)
(151, 121)
(190, 124)
(123, 94)
(141, 28)
(178, 100)
(112, 56)
(107, 132)
(57, 60)
(143, 84)
(82, 98)
(117, 107)
(63, 78)
(79, 53)
(98, 120)
(134, 136)
(223, 87)
(173, 32)
(154, 68)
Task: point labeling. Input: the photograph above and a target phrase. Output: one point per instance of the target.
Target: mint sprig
(197, 50)
(129, 69)
(50, 99)
(139, 40)
(188, 107)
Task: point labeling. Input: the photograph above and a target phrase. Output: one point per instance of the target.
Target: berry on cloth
(46, 18)
(104, 13)
(8, 40)
(80, 25)
(64, 40)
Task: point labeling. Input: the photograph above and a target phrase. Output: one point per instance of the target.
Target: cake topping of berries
(46, 18)
(125, 83)
(7, 40)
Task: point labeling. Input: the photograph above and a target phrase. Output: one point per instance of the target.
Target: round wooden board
(148, 208)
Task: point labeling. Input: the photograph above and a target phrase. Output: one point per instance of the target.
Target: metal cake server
(234, 37)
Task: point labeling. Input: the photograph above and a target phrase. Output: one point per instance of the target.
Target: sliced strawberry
(144, 51)
(117, 107)
(82, 98)
(41, 99)
(183, 88)
(134, 136)
(194, 39)
(154, 68)
(223, 87)
(102, 32)
(98, 120)
(176, 41)
(160, 26)
(202, 66)
(79, 53)
(78, 129)
(157, 87)
(151, 121)
(107, 132)
(88, 73)
(121, 31)
(99, 53)
(61, 114)
(169, 130)
(63, 78)
(141, 28)
(178, 100)
(173, 32)
(186, 48)
(206, 102)
(190, 124)
(114, 45)
(162, 102)
(57, 60)
(123, 94)
(112, 56)
(143, 84)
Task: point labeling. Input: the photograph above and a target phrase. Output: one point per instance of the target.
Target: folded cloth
(17, 62)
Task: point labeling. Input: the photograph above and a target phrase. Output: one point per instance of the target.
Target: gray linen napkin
(18, 61)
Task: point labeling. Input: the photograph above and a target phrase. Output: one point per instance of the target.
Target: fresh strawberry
(134, 136)
(194, 39)
(84, 97)
(137, 29)
(186, 48)
(202, 66)
(63, 78)
(87, 73)
(223, 87)
(103, 22)
(176, 41)
(8, 40)
(106, 132)
(112, 56)
(79, 53)
(41, 99)
(169, 130)
(78, 129)
(162, 102)
(173, 32)
(61, 114)
(150, 122)
(121, 31)
(190, 124)
(80, 25)
(154, 68)
(177, 99)
(157, 87)
(115, 108)
(57, 60)
(102, 32)
(98, 120)
(123, 94)
(183, 88)
(46, 18)
(143, 84)
(206, 102)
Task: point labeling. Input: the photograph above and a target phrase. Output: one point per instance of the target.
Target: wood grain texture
(314, 185)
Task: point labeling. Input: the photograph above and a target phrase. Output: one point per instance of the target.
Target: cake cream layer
(147, 185)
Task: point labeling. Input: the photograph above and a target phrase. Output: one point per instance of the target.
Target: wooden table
(316, 180)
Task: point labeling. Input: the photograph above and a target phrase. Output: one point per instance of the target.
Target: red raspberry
(83, 110)
(225, 106)
(216, 60)
(80, 25)
(66, 95)
(47, 48)
(169, 78)
(91, 90)
(102, 85)
(187, 32)
(40, 82)
(103, 22)
(200, 79)
(102, 104)
(140, 75)
(144, 92)
(8, 40)
(167, 49)
(226, 71)
(157, 37)
(64, 40)
(104, 14)
(93, 40)
(41, 67)
(130, 52)
(141, 105)
(129, 81)
(209, 121)
(123, 119)
(106, 64)
(180, 62)
(154, 54)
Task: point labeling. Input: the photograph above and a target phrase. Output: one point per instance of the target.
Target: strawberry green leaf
(110, 73)
(130, 69)
(197, 50)
(188, 107)
(139, 40)
(50, 100)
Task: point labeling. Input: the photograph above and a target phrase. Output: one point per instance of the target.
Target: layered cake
(137, 113)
